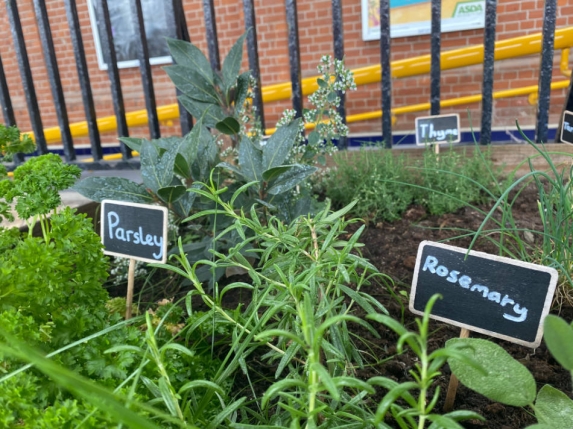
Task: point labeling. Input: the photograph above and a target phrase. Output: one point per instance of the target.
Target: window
(158, 26)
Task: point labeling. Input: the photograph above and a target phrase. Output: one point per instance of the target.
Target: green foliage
(415, 412)
(36, 187)
(11, 143)
(451, 180)
(386, 184)
(506, 380)
(509, 382)
(377, 178)
(558, 335)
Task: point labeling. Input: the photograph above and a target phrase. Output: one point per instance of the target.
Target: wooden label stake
(130, 282)
(453, 385)
(134, 231)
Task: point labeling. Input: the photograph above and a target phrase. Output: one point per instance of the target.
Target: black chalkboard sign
(438, 129)
(496, 296)
(132, 230)
(567, 130)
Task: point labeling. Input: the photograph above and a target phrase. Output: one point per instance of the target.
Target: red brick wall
(515, 18)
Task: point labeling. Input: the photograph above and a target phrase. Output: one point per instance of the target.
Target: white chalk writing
(453, 276)
(437, 134)
(131, 236)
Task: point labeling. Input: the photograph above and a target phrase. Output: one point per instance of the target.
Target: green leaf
(250, 160)
(112, 188)
(242, 91)
(229, 126)
(202, 383)
(170, 194)
(132, 142)
(211, 113)
(192, 84)
(322, 83)
(507, 381)
(205, 155)
(558, 335)
(275, 172)
(183, 205)
(156, 170)
(232, 63)
(443, 422)
(289, 179)
(188, 55)
(539, 426)
(554, 408)
(313, 138)
(278, 146)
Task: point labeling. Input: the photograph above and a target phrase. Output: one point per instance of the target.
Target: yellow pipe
(564, 64)
(471, 55)
(505, 49)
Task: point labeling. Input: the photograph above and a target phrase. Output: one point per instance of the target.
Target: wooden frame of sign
(441, 129)
(135, 231)
(567, 127)
(492, 295)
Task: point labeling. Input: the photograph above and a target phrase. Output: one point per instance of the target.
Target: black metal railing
(180, 30)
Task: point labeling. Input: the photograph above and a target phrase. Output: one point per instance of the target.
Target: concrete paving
(73, 199)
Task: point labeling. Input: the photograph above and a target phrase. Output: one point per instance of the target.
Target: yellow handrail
(471, 55)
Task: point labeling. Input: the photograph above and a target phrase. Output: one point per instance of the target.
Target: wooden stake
(453, 385)
(436, 149)
(130, 282)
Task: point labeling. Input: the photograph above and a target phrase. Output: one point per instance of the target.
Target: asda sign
(468, 9)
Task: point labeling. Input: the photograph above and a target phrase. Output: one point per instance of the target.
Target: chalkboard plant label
(133, 230)
(438, 129)
(489, 294)
(567, 130)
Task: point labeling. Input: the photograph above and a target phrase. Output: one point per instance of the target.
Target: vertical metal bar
(54, 77)
(7, 109)
(84, 78)
(174, 9)
(545, 71)
(435, 63)
(211, 28)
(26, 75)
(386, 73)
(5, 100)
(338, 33)
(145, 68)
(488, 68)
(294, 56)
(253, 53)
(110, 58)
(568, 106)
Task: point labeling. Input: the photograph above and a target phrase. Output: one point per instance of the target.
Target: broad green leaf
(539, 426)
(443, 422)
(192, 84)
(112, 188)
(507, 381)
(313, 138)
(460, 415)
(170, 194)
(132, 142)
(205, 156)
(242, 91)
(232, 63)
(289, 179)
(183, 205)
(558, 335)
(278, 146)
(275, 172)
(182, 167)
(554, 408)
(156, 170)
(187, 55)
(211, 113)
(250, 160)
(229, 126)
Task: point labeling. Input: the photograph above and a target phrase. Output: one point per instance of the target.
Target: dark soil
(392, 248)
